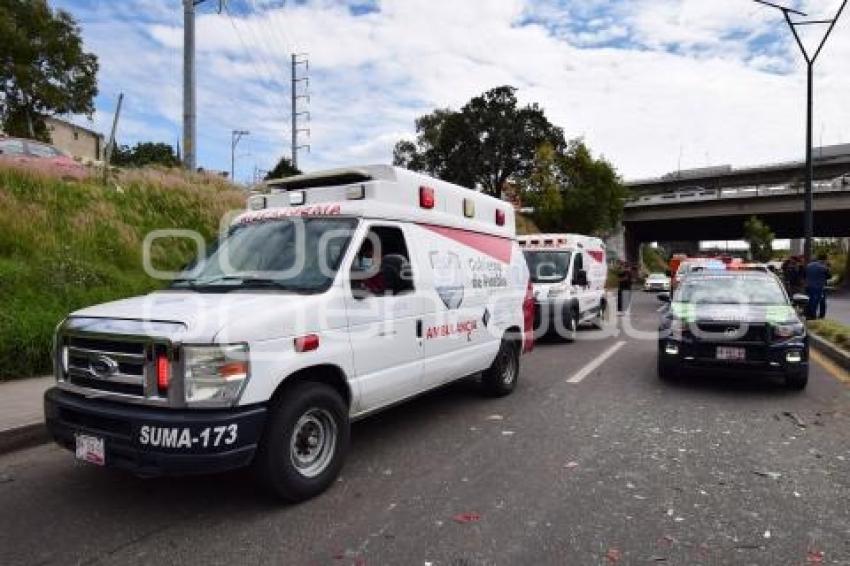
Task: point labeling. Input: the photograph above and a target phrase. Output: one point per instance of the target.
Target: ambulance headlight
(215, 375)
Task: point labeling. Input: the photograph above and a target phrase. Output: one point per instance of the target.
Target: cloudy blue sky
(650, 84)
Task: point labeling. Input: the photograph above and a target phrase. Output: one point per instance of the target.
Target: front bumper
(760, 358)
(152, 441)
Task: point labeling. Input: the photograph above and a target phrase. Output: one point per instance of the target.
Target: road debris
(767, 534)
(613, 555)
(766, 474)
(6, 478)
(571, 465)
(495, 418)
(466, 518)
(507, 433)
(794, 418)
(814, 557)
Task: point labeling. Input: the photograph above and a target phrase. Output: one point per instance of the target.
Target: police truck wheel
(500, 378)
(667, 371)
(797, 381)
(305, 442)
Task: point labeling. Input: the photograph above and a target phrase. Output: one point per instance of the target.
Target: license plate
(90, 449)
(735, 354)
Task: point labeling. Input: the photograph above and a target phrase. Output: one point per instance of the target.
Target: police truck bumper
(151, 441)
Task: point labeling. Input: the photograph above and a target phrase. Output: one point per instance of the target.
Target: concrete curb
(23, 436)
(831, 351)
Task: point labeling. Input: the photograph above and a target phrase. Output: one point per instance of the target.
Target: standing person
(624, 286)
(817, 274)
(789, 269)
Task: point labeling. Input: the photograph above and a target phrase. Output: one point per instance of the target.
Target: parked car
(725, 320)
(40, 155)
(657, 282)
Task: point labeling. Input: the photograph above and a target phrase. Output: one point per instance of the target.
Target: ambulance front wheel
(305, 442)
(501, 377)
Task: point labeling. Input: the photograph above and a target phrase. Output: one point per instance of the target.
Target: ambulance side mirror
(580, 278)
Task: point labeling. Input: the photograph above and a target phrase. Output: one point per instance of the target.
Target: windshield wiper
(235, 282)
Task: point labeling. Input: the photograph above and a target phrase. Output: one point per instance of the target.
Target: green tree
(489, 141)
(544, 194)
(145, 153)
(572, 191)
(284, 168)
(43, 68)
(760, 238)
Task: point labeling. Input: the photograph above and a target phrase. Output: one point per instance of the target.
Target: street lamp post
(235, 136)
(808, 215)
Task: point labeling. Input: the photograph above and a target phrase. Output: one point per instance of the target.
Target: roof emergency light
(426, 197)
(357, 192)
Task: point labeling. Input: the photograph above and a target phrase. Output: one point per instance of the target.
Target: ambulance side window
(382, 265)
(579, 274)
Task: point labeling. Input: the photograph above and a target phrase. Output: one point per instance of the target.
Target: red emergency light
(426, 197)
(163, 372)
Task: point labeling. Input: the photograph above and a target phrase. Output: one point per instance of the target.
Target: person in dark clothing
(624, 287)
(817, 274)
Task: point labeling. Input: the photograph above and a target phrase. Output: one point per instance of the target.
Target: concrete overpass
(713, 203)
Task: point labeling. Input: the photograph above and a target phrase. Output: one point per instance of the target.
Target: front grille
(733, 332)
(110, 364)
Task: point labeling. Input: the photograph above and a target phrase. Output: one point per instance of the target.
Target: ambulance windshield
(548, 266)
(291, 254)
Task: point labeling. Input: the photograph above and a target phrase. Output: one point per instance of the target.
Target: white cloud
(643, 81)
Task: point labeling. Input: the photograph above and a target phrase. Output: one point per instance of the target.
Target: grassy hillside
(69, 244)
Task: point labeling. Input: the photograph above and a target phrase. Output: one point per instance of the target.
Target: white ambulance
(335, 295)
(568, 272)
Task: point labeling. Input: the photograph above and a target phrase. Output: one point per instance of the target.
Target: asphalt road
(617, 468)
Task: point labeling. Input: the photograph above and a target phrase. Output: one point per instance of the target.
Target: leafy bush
(67, 244)
(835, 332)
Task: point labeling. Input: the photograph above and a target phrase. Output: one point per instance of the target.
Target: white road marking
(594, 364)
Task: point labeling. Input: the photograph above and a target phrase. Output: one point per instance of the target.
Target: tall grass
(69, 244)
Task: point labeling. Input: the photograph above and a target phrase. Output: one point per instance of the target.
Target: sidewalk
(21, 412)
(838, 307)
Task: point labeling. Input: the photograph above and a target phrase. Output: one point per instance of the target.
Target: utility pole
(808, 213)
(111, 145)
(235, 136)
(299, 59)
(189, 117)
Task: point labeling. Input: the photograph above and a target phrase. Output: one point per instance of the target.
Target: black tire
(571, 325)
(296, 420)
(501, 377)
(667, 371)
(797, 381)
(603, 311)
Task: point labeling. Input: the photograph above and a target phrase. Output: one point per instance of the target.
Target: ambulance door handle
(419, 328)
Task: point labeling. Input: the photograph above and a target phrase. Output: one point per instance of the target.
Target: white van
(568, 273)
(335, 295)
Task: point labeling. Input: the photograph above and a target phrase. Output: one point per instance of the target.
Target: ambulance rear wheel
(305, 442)
(501, 377)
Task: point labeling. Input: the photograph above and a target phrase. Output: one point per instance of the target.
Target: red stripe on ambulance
(496, 247)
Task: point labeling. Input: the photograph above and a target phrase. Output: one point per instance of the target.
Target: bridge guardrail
(702, 194)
